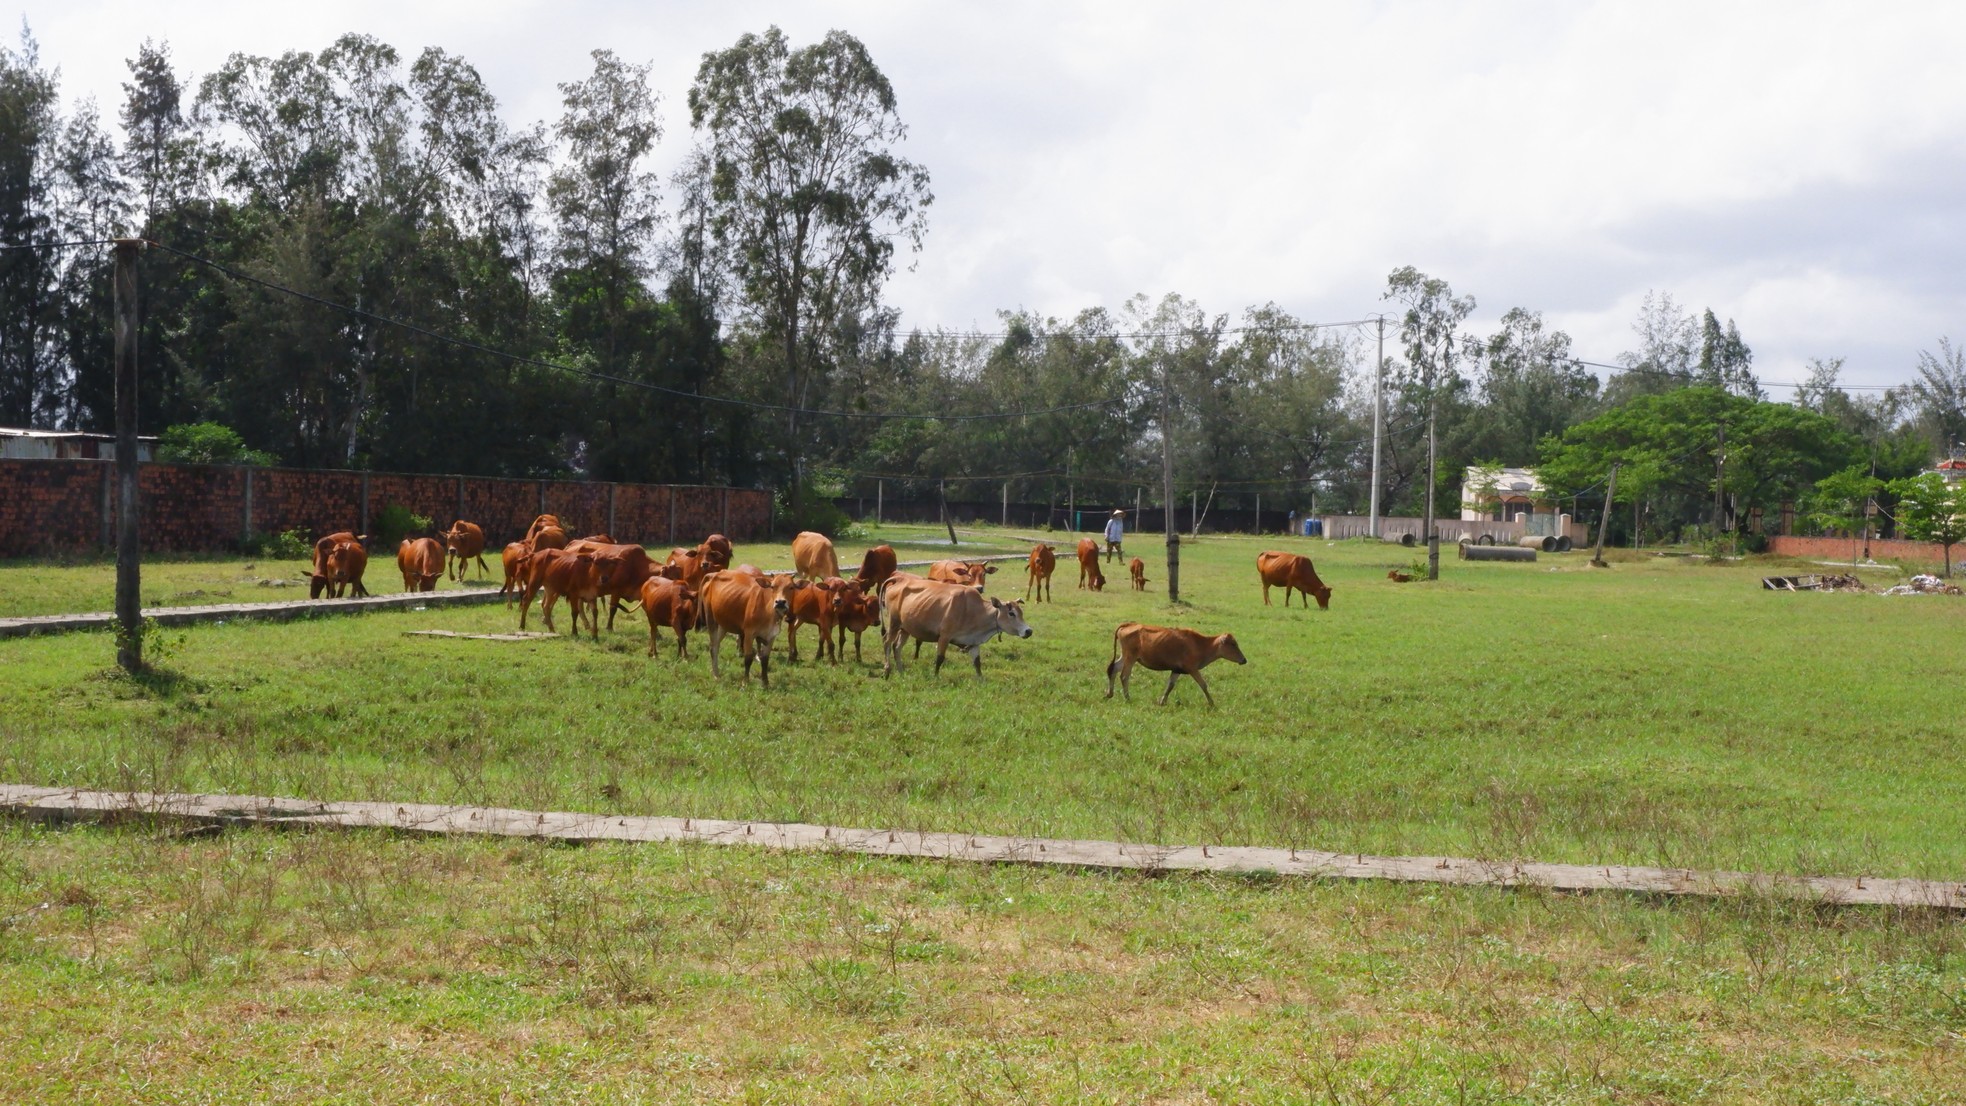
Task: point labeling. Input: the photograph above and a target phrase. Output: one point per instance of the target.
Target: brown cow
(514, 558)
(1090, 577)
(947, 614)
(533, 571)
(971, 573)
(858, 610)
(317, 578)
(541, 523)
(737, 603)
(583, 580)
(1168, 649)
(669, 603)
(597, 539)
(1044, 560)
(1292, 573)
(463, 542)
(1138, 568)
(875, 568)
(813, 556)
(689, 565)
(815, 603)
(342, 568)
(716, 551)
(421, 561)
(626, 566)
(547, 537)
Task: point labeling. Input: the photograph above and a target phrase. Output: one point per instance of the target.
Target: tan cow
(875, 568)
(421, 561)
(1138, 569)
(947, 614)
(971, 573)
(669, 603)
(1090, 577)
(1044, 560)
(717, 551)
(514, 559)
(464, 541)
(815, 603)
(1292, 573)
(1168, 649)
(342, 570)
(583, 581)
(317, 580)
(813, 556)
(741, 604)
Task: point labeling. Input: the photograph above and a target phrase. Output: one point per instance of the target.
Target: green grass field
(1660, 711)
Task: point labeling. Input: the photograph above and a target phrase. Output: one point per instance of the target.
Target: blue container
(1313, 527)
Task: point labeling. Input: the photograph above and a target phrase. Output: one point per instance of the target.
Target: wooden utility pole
(1604, 520)
(1719, 477)
(1259, 512)
(1433, 473)
(1005, 522)
(942, 497)
(880, 495)
(1378, 425)
(1167, 489)
(129, 565)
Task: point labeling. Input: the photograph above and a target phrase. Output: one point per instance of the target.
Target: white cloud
(1789, 165)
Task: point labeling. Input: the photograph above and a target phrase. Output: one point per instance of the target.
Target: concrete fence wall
(69, 506)
(1450, 529)
(1851, 549)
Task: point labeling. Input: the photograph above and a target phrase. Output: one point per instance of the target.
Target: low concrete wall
(1851, 549)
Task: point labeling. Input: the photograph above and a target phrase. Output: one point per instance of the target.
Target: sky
(1799, 168)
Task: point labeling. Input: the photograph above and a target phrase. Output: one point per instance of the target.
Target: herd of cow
(698, 588)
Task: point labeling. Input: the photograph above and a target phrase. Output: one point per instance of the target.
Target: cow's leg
(1204, 687)
(941, 651)
(483, 570)
(546, 609)
(856, 644)
(525, 604)
(652, 635)
(1266, 593)
(682, 640)
(976, 657)
(1126, 677)
(361, 592)
(1171, 677)
(919, 642)
(764, 662)
(593, 619)
(716, 646)
(792, 641)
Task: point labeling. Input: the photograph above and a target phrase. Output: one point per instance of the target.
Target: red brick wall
(1847, 549)
(57, 506)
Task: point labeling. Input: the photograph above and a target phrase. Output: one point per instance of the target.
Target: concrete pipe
(1531, 541)
(1486, 539)
(1407, 540)
(1496, 552)
(1563, 543)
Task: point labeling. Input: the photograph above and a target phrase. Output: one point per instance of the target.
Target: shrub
(396, 522)
(207, 443)
(292, 545)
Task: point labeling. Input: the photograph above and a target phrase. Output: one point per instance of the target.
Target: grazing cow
(669, 603)
(971, 573)
(317, 578)
(875, 568)
(1292, 573)
(342, 568)
(1138, 568)
(738, 603)
(583, 580)
(1044, 559)
(716, 551)
(421, 561)
(1168, 649)
(947, 614)
(463, 542)
(514, 558)
(815, 603)
(1090, 577)
(1398, 577)
(813, 556)
(857, 611)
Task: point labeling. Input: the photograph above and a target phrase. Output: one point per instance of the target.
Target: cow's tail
(1113, 666)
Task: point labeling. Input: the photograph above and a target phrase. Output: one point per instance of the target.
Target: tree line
(570, 312)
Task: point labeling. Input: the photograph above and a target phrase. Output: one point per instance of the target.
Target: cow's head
(1010, 617)
(316, 584)
(1228, 650)
(1322, 593)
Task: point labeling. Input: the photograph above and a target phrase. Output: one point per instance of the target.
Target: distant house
(64, 445)
(1953, 468)
(1516, 493)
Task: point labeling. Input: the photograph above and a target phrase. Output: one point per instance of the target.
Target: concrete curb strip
(60, 804)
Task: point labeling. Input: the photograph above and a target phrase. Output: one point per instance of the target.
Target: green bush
(396, 522)
(819, 515)
(292, 545)
(207, 443)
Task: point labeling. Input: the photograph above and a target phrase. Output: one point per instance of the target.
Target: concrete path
(60, 804)
(279, 611)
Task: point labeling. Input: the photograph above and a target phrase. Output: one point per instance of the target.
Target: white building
(1515, 493)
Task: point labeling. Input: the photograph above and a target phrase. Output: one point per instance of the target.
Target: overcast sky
(1799, 168)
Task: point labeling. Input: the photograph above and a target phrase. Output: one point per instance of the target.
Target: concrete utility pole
(1604, 520)
(1433, 473)
(1167, 489)
(129, 553)
(1378, 424)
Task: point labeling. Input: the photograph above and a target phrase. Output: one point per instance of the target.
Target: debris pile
(1813, 582)
(1924, 585)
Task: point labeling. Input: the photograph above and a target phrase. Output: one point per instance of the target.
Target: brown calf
(1138, 568)
(514, 558)
(669, 603)
(1168, 649)
(1090, 577)
(875, 568)
(464, 541)
(1044, 560)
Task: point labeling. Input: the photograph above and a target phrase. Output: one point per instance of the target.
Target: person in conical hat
(1115, 533)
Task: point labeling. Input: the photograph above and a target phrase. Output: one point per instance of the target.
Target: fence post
(460, 504)
(1006, 504)
(109, 506)
(672, 514)
(880, 492)
(611, 490)
(129, 548)
(1259, 512)
(246, 515)
(725, 528)
(364, 529)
